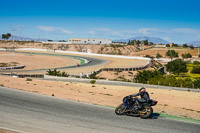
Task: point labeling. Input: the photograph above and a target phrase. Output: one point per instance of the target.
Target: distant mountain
(150, 39)
(194, 43)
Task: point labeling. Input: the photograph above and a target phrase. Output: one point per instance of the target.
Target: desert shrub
(158, 55)
(57, 73)
(93, 75)
(172, 54)
(3, 64)
(119, 52)
(148, 56)
(187, 55)
(92, 81)
(196, 63)
(28, 79)
(197, 83)
(2, 85)
(130, 72)
(45, 44)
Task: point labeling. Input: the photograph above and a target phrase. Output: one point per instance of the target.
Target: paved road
(33, 113)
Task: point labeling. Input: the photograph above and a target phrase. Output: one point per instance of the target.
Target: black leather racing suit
(144, 96)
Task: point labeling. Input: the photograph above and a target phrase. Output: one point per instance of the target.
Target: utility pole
(198, 51)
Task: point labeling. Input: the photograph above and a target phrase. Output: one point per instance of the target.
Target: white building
(89, 41)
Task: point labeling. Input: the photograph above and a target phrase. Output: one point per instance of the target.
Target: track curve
(33, 113)
(92, 62)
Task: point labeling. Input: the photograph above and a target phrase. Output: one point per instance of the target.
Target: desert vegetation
(8, 64)
(55, 72)
(182, 74)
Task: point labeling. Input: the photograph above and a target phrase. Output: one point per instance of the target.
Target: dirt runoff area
(172, 102)
(6, 131)
(32, 61)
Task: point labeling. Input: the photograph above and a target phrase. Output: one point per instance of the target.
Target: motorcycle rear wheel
(120, 109)
(146, 112)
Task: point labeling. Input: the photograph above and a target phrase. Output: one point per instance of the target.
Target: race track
(92, 62)
(34, 113)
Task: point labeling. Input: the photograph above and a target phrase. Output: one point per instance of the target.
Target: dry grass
(162, 51)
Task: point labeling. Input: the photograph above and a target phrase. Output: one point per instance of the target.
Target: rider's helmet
(142, 89)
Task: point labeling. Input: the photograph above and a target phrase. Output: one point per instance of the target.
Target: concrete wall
(89, 54)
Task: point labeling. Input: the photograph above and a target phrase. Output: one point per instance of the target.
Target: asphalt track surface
(92, 62)
(33, 113)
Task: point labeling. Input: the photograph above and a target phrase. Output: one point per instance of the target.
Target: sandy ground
(113, 62)
(120, 76)
(6, 131)
(162, 51)
(36, 61)
(180, 103)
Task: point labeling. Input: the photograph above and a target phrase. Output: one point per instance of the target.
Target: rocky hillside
(101, 49)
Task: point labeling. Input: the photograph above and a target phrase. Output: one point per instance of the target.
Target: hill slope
(150, 39)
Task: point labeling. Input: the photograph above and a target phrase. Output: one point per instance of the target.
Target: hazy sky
(173, 20)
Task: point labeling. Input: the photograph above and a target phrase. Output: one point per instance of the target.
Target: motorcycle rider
(142, 93)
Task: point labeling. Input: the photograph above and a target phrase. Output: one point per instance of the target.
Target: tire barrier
(125, 69)
(26, 75)
(30, 75)
(13, 67)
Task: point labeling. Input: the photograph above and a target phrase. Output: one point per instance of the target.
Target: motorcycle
(136, 107)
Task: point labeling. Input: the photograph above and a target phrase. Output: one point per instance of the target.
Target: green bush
(148, 56)
(196, 63)
(187, 55)
(157, 78)
(144, 76)
(196, 70)
(93, 75)
(4, 65)
(57, 73)
(197, 83)
(93, 81)
(158, 55)
(169, 80)
(172, 54)
(28, 79)
(177, 66)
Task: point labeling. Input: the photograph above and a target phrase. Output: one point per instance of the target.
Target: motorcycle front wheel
(120, 109)
(146, 112)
